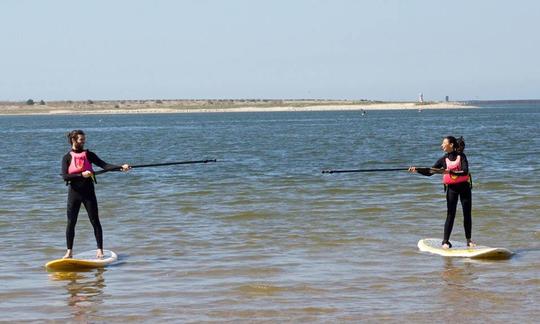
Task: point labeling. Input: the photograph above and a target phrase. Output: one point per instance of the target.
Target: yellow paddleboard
(82, 261)
(461, 250)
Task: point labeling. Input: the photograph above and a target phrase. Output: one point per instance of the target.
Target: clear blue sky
(378, 49)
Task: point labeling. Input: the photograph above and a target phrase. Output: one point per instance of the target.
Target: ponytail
(460, 145)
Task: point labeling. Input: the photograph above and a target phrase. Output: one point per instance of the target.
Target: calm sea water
(263, 235)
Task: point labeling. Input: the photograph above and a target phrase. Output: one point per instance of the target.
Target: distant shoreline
(210, 106)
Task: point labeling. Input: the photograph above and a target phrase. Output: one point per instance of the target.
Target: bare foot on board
(68, 255)
(99, 254)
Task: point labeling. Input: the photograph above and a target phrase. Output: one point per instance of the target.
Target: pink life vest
(453, 178)
(79, 163)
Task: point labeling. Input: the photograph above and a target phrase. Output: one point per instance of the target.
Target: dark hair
(458, 143)
(72, 136)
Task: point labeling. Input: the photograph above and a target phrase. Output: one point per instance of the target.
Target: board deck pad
(82, 261)
(461, 250)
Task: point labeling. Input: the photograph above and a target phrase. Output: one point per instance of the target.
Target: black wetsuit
(81, 190)
(461, 191)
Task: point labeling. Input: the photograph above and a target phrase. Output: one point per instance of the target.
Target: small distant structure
(446, 99)
(421, 97)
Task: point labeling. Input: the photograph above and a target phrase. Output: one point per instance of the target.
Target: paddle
(155, 165)
(430, 170)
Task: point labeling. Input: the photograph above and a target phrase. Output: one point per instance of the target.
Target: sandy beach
(209, 106)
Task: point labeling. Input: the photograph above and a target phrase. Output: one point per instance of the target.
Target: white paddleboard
(85, 260)
(461, 250)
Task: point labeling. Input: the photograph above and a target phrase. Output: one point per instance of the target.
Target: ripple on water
(265, 236)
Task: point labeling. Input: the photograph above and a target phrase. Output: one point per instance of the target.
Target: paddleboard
(461, 250)
(82, 261)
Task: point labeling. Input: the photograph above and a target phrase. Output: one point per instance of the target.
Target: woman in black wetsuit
(457, 184)
(78, 173)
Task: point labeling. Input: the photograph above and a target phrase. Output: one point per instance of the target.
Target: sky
(274, 49)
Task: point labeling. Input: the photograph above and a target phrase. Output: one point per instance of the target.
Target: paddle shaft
(156, 165)
(364, 170)
(432, 170)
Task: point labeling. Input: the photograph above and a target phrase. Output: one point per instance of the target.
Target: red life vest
(79, 163)
(454, 178)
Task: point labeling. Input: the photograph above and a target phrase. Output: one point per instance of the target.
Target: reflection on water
(84, 291)
(457, 272)
(476, 288)
(458, 289)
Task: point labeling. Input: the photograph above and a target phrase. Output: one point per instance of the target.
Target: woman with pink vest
(78, 173)
(457, 186)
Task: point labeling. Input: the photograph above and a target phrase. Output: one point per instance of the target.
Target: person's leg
(451, 204)
(466, 204)
(91, 205)
(73, 207)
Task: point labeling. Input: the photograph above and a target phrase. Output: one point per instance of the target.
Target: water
(262, 235)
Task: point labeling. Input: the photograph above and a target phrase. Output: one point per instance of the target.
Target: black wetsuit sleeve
(93, 158)
(425, 172)
(66, 161)
(440, 164)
